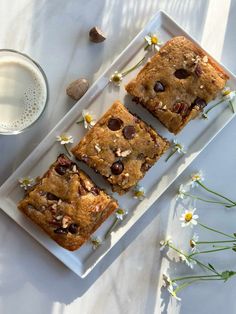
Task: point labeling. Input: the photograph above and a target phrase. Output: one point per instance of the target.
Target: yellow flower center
(26, 181)
(116, 78)
(188, 217)
(154, 40)
(64, 138)
(226, 92)
(196, 177)
(192, 243)
(139, 193)
(88, 118)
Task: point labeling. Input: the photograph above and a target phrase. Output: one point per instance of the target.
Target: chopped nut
(88, 185)
(59, 217)
(164, 107)
(77, 88)
(205, 59)
(201, 86)
(74, 168)
(96, 35)
(65, 221)
(59, 202)
(54, 206)
(125, 153)
(97, 147)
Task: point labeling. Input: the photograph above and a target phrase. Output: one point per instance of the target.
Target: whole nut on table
(96, 35)
(77, 88)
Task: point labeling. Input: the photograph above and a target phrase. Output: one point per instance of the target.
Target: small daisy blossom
(187, 261)
(120, 213)
(198, 176)
(88, 119)
(193, 241)
(116, 78)
(153, 41)
(26, 182)
(228, 94)
(170, 285)
(139, 192)
(181, 193)
(165, 244)
(188, 218)
(64, 139)
(178, 147)
(96, 242)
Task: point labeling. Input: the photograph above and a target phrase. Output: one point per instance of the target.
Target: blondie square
(120, 147)
(177, 83)
(66, 204)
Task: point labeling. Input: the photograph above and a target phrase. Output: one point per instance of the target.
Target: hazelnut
(77, 88)
(96, 35)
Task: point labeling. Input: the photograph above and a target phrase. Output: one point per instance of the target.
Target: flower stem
(210, 242)
(209, 251)
(218, 103)
(214, 230)
(184, 285)
(133, 68)
(80, 121)
(67, 150)
(171, 154)
(112, 227)
(213, 192)
(204, 200)
(193, 277)
(231, 106)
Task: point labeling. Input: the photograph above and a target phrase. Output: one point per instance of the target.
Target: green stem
(112, 227)
(184, 285)
(214, 230)
(171, 154)
(67, 150)
(218, 103)
(133, 68)
(192, 277)
(80, 121)
(209, 251)
(209, 242)
(213, 192)
(221, 246)
(231, 106)
(204, 200)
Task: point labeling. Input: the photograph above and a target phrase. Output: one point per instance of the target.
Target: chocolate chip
(51, 197)
(117, 167)
(199, 102)
(61, 231)
(198, 70)
(159, 87)
(145, 166)
(63, 160)
(94, 190)
(114, 124)
(129, 132)
(180, 107)
(181, 74)
(60, 169)
(73, 228)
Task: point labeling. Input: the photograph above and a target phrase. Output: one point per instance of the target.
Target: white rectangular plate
(195, 137)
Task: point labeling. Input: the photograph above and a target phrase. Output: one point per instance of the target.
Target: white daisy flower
(64, 139)
(88, 119)
(139, 192)
(96, 242)
(181, 193)
(170, 285)
(190, 263)
(178, 147)
(26, 182)
(165, 244)
(116, 78)
(120, 213)
(193, 243)
(228, 94)
(188, 218)
(153, 42)
(198, 176)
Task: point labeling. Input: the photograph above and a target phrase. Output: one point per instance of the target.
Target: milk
(23, 92)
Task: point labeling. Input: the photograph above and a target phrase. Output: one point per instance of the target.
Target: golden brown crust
(66, 204)
(102, 147)
(204, 79)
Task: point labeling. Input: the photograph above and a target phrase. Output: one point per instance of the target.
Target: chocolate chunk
(63, 160)
(198, 70)
(181, 74)
(51, 197)
(94, 190)
(117, 167)
(114, 124)
(199, 102)
(145, 166)
(159, 87)
(61, 231)
(180, 107)
(73, 228)
(60, 169)
(129, 132)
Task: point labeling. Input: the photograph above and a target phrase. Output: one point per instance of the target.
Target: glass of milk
(23, 91)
